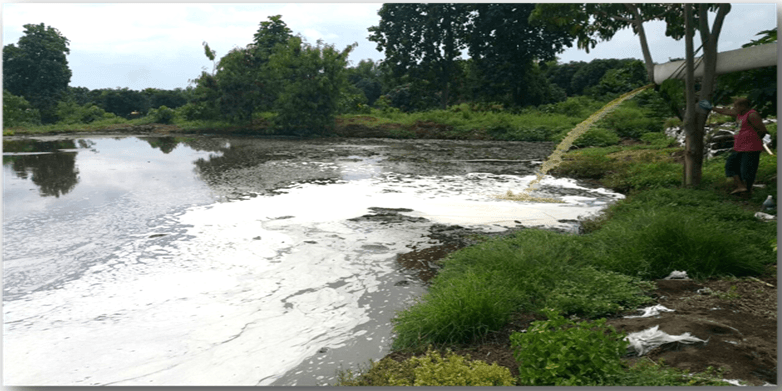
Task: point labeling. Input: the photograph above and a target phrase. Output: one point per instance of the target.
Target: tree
(506, 46)
(422, 42)
(239, 83)
(122, 101)
(590, 21)
(366, 77)
(37, 69)
(313, 77)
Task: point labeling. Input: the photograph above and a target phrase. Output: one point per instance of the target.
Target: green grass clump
(480, 287)
(560, 352)
(659, 231)
(430, 370)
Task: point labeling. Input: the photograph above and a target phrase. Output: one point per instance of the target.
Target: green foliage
(507, 70)
(480, 287)
(629, 121)
(758, 85)
(37, 69)
(430, 370)
(18, 112)
(421, 42)
(162, 115)
(617, 81)
(560, 352)
(597, 293)
(314, 80)
(69, 112)
(366, 77)
(651, 374)
(123, 101)
(658, 140)
(596, 137)
(658, 231)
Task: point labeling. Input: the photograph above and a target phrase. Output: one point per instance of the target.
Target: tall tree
(313, 78)
(37, 69)
(505, 46)
(422, 41)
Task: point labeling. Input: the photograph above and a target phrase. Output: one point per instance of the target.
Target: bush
(560, 352)
(18, 111)
(162, 115)
(628, 121)
(69, 112)
(596, 137)
(430, 370)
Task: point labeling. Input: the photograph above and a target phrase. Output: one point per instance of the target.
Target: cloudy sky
(159, 45)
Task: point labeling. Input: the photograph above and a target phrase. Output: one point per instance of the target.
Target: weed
(430, 370)
(561, 352)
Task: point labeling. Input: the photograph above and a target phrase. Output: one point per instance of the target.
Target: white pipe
(731, 61)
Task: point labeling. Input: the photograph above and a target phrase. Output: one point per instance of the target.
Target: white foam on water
(252, 289)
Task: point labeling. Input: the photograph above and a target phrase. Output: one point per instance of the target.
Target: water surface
(235, 261)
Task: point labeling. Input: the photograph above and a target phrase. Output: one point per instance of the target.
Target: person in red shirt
(742, 163)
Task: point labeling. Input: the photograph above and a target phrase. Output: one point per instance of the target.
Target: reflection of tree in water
(164, 144)
(247, 167)
(55, 174)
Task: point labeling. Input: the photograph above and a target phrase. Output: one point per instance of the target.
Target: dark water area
(238, 261)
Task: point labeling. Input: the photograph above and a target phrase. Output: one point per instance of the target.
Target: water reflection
(53, 171)
(164, 144)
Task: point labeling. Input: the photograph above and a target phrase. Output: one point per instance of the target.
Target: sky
(159, 45)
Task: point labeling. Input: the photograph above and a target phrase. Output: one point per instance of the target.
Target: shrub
(162, 115)
(596, 137)
(628, 121)
(560, 352)
(430, 370)
(18, 111)
(69, 112)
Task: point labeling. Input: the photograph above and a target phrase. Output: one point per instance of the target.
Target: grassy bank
(609, 268)
(464, 121)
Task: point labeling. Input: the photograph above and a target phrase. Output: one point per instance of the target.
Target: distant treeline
(488, 56)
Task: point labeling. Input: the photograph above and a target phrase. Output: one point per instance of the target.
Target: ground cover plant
(561, 352)
(430, 369)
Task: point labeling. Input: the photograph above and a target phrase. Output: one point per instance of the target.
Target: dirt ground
(737, 318)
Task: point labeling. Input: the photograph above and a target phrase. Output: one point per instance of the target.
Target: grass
(480, 287)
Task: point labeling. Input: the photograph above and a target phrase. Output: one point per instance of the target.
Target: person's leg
(733, 170)
(749, 168)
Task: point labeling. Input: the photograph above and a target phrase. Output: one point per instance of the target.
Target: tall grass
(480, 287)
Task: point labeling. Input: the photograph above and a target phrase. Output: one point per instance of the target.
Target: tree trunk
(693, 139)
(638, 26)
(694, 119)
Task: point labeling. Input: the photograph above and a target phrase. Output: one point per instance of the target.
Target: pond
(140, 260)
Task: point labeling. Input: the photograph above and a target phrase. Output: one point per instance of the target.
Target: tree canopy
(37, 68)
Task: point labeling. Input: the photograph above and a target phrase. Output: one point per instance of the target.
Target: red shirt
(747, 139)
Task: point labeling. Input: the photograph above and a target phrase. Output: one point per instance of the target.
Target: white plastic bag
(644, 341)
(650, 311)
